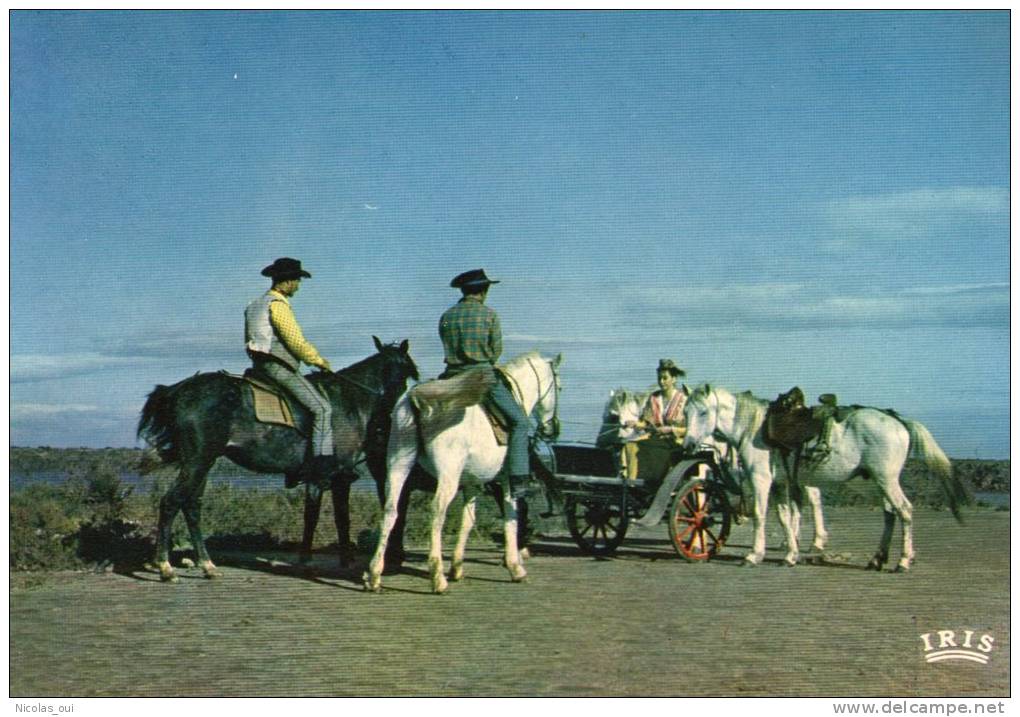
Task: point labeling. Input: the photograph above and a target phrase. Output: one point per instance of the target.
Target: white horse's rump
(868, 443)
(464, 446)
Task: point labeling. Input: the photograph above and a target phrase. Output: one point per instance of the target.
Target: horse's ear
(404, 345)
(558, 360)
(687, 391)
(378, 343)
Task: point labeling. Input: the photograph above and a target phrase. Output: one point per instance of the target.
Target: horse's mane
(750, 411)
(518, 361)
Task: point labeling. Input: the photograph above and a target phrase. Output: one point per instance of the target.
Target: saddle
(270, 402)
(440, 402)
(789, 424)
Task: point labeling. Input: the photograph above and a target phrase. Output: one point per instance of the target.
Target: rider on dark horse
(277, 348)
(472, 337)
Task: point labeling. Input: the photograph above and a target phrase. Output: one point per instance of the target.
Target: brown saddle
(789, 424)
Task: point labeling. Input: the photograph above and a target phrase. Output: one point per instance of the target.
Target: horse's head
(701, 413)
(548, 380)
(623, 408)
(398, 366)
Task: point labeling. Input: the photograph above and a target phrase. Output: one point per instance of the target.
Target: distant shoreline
(983, 475)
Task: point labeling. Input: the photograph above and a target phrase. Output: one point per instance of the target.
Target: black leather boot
(314, 470)
(519, 486)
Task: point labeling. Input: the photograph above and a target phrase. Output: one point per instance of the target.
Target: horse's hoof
(372, 585)
(524, 553)
(789, 563)
(902, 569)
(874, 565)
(456, 575)
(170, 579)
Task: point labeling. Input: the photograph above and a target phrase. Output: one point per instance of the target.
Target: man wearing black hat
(277, 348)
(472, 337)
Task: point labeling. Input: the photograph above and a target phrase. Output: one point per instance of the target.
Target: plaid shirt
(471, 334)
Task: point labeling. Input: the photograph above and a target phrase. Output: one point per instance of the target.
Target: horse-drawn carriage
(696, 493)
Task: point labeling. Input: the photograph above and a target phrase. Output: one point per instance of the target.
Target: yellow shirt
(281, 316)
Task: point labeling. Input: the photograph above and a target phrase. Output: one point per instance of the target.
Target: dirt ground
(643, 623)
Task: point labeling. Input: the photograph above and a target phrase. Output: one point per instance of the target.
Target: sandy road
(644, 623)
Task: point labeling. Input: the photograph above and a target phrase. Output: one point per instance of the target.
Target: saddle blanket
(270, 406)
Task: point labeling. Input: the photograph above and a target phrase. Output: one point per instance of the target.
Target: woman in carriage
(662, 421)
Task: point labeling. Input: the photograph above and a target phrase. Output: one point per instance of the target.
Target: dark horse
(193, 422)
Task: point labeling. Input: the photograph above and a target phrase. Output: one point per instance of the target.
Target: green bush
(44, 529)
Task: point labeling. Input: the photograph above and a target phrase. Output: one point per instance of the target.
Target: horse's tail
(405, 441)
(158, 427)
(924, 447)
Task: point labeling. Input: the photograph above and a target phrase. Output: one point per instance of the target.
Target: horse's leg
(762, 481)
(881, 556)
(814, 497)
(192, 510)
(313, 507)
(512, 557)
(395, 479)
(467, 522)
(523, 535)
(898, 504)
(169, 505)
(446, 489)
(788, 518)
(395, 553)
(341, 489)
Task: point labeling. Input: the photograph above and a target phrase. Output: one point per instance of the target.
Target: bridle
(553, 431)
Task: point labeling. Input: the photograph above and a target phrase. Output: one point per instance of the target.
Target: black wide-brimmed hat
(285, 268)
(668, 365)
(475, 277)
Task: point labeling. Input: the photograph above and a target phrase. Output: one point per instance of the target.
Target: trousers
(302, 391)
(520, 425)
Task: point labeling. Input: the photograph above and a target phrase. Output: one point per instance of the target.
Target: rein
(555, 420)
(375, 391)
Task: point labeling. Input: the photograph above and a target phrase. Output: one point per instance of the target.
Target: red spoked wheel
(699, 519)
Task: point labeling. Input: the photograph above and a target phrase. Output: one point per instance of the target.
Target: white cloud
(914, 213)
(959, 288)
(36, 367)
(46, 410)
(801, 306)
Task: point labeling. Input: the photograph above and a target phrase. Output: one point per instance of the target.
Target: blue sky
(769, 198)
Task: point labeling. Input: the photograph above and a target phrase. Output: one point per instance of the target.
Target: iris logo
(949, 645)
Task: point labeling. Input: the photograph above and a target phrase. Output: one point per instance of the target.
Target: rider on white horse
(472, 337)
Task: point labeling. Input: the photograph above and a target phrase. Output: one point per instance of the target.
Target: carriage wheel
(699, 519)
(596, 526)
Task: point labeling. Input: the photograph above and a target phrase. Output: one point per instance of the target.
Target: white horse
(869, 443)
(457, 440)
(624, 407)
